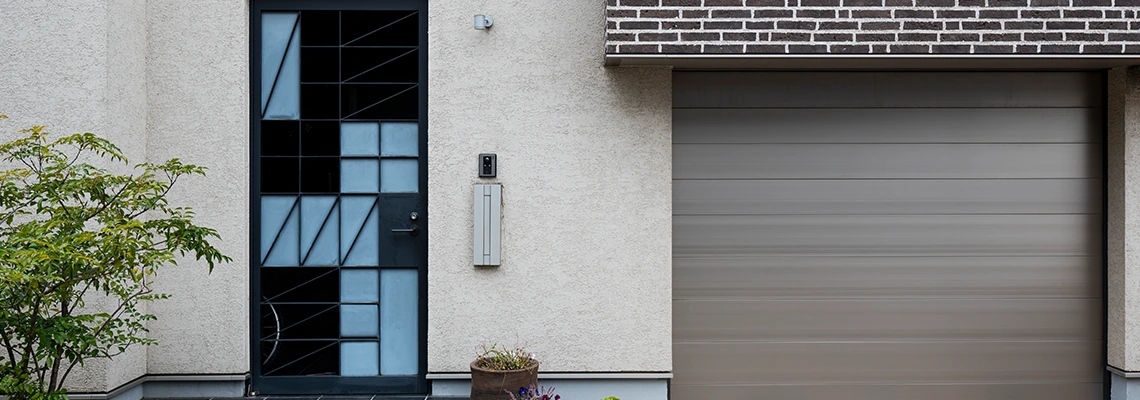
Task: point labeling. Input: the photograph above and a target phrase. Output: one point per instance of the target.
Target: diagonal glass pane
(276, 29)
(359, 224)
(284, 99)
(318, 230)
(278, 230)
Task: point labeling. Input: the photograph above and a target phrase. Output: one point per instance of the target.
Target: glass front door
(339, 210)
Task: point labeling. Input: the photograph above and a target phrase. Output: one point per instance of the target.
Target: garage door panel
(891, 125)
(1035, 391)
(822, 197)
(715, 277)
(873, 89)
(886, 362)
(928, 235)
(886, 161)
(885, 319)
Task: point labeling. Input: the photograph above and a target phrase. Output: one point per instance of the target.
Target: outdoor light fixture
(483, 22)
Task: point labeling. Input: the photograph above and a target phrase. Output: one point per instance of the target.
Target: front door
(339, 196)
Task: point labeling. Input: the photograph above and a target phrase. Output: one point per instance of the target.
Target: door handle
(414, 230)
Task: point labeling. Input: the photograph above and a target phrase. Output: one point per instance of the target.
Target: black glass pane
(305, 358)
(279, 174)
(319, 64)
(400, 106)
(380, 65)
(380, 28)
(375, 98)
(279, 138)
(301, 321)
(318, 101)
(300, 284)
(320, 138)
(319, 28)
(320, 175)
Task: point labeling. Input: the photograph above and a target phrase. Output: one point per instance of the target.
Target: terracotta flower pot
(493, 385)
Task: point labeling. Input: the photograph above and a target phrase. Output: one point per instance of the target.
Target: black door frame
(330, 384)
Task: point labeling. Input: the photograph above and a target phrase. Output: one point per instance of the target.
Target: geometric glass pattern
(339, 135)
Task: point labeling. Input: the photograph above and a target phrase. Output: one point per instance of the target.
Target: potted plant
(499, 372)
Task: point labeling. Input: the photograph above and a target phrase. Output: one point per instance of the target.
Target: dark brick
(638, 48)
(790, 37)
(723, 25)
(914, 13)
(1084, 37)
(922, 25)
(951, 49)
(806, 48)
(1132, 49)
(724, 3)
(1113, 14)
(833, 37)
(961, 37)
(681, 3)
(881, 26)
(1083, 14)
(724, 48)
(681, 25)
(621, 37)
(870, 13)
(611, 25)
(1092, 3)
(1040, 13)
(819, 3)
(1134, 25)
(658, 13)
(760, 25)
(640, 3)
(1103, 49)
(1124, 37)
(796, 25)
(772, 14)
(1049, 3)
(1001, 37)
(731, 13)
(1107, 25)
(997, 14)
(850, 49)
(918, 37)
(1065, 25)
(1024, 25)
(875, 37)
(621, 13)
(879, 48)
(1007, 3)
(952, 25)
(680, 48)
(910, 48)
(611, 2)
(993, 49)
(657, 37)
(695, 14)
(739, 36)
(958, 13)
(832, 25)
(766, 48)
(611, 49)
(972, 3)
(935, 3)
(899, 3)
(1026, 49)
(1043, 36)
(815, 13)
(699, 36)
(862, 3)
(639, 25)
(1127, 3)
(765, 3)
(981, 25)
(1060, 48)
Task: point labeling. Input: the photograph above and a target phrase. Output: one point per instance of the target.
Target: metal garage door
(886, 236)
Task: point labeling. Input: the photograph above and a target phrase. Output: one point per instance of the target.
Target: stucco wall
(585, 164)
(1123, 212)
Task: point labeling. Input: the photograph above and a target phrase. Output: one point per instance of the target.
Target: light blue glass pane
(279, 215)
(399, 176)
(359, 139)
(319, 224)
(359, 359)
(281, 75)
(354, 216)
(359, 320)
(359, 286)
(359, 176)
(400, 139)
(399, 316)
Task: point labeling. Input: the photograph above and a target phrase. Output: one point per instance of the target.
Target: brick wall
(873, 26)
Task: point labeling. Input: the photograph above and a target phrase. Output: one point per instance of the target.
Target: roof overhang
(833, 62)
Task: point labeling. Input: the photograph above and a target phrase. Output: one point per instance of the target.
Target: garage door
(882, 236)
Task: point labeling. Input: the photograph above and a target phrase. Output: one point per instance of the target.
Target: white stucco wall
(1123, 214)
(585, 163)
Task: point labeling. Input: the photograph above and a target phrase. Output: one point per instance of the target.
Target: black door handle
(414, 230)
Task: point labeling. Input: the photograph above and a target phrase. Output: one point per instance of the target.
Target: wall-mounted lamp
(483, 22)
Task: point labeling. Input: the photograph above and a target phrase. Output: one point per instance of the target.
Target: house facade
(686, 199)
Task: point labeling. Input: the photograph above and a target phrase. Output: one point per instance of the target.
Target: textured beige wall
(1123, 218)
(585, 163)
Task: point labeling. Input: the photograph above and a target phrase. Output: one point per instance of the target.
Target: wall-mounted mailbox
(488, 230)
